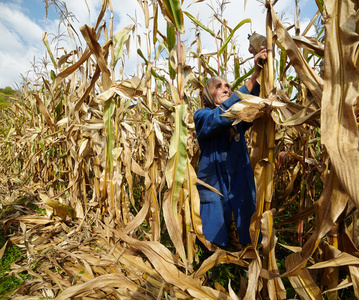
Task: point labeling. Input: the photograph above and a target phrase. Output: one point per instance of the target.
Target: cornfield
(98, 174)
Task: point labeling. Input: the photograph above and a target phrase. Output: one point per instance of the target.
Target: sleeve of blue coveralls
(210, 123)
(255, 92)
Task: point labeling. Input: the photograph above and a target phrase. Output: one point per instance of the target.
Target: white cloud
(19, 43)
(9, 40)
(16, 22)
(11, 66)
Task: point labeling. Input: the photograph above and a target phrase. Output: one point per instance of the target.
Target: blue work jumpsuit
(224, 165)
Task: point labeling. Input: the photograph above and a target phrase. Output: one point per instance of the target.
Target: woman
(224, 161)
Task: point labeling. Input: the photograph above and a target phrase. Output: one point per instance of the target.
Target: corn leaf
(171, 10)
(119, 40)
(171, 42)
(155, 22)
(46, 42)
(311, 79)
(309, 43)
(62, 210)
(174, 176)
(320, 4)
(303, 283)
(262, 170)
(276, 288)
(339, 128)
(198, 23)
(44, 111)
(107, 118)
(91, 38)
(230, 36)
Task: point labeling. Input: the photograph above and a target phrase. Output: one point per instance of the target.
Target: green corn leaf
(171, 37)
(239, 80)
(46, 42)
(236, 66)
(157, 76)
(283, 60)
(139, 52)
(320, 33)
(155, 22)
(198, 23)
(231, 35)
(109, 108)
(171, 10)
(175, 173)
(175, 8)
(320, 4)
(171, 42)
(53, 76)
(177, 152)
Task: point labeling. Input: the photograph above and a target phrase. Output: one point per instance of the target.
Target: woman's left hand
(259, 58)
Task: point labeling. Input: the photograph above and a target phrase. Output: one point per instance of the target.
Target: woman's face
(220, 91)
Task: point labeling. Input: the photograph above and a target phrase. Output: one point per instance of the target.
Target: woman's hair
(206, 96)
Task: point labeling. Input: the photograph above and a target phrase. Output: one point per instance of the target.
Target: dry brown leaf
(276, 288)
(253, 280)
(72, 68)
(44, 111)
(303, 283)
(264, 191)
(339, 127)
(312, 80)
(309, 43)
(101, 282)
(91, 38)
(2, 250)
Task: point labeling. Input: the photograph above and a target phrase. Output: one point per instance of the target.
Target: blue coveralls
(225, 165)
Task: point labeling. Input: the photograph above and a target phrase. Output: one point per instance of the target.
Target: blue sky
(23, 22)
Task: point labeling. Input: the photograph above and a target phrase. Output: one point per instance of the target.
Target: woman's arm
(258, 58)
(209, 122)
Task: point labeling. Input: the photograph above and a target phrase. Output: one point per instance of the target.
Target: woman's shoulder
(201, 111)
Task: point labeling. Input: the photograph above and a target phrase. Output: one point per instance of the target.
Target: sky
(23, 23)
